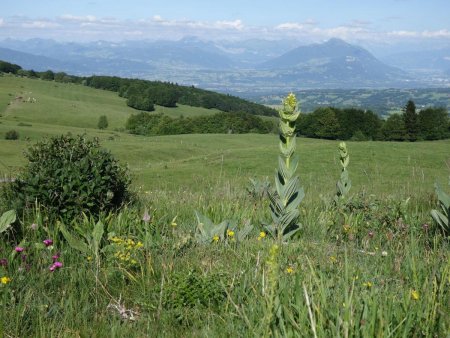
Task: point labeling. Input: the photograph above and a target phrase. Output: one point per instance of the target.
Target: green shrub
(69, 175)
(102, 122)
(11, 135)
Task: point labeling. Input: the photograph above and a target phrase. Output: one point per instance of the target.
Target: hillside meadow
(377, 266)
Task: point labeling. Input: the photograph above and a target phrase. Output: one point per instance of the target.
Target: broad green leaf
(8, 218)
(97, 235)
(74, 242)
(243, 233)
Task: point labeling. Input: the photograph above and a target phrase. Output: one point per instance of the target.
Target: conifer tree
(411, 121)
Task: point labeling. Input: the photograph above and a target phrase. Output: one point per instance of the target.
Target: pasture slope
(387, 168)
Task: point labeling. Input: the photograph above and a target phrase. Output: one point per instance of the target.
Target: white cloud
(442, 33)
(307, 24)
(75, 18)
(300, 29)
(158, 20)
(40, 24)
(90, 27)
(290, 26)
(236, 24)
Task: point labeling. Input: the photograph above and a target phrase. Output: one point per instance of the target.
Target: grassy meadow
(375, 267)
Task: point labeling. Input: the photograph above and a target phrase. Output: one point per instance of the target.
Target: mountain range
(256, 66)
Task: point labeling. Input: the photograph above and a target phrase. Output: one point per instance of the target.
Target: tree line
(150, 124)
(360, 125)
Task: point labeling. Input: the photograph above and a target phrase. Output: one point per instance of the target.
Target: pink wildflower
(47, 242)
(55, 266)
(55, 257)
(19, 249)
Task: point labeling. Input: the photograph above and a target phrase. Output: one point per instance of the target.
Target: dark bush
(69, 175)
(102, 122)
(11, 135)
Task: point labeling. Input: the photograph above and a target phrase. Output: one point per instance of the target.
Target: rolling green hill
(196, 161)
(66, 104)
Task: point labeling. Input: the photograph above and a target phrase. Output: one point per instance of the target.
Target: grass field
(371, 271)
(70, 105)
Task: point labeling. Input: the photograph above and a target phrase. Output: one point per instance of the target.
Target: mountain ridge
(231, 67)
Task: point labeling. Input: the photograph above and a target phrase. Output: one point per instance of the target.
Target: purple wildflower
(58, 264)
(55, 265)
(19, 249)
(56, 256)
(47, 242)
(24, 258)
(3, 262)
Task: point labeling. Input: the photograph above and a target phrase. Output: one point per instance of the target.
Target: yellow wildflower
(290, 269)
(230, 233)
(139, 245)
(216, 238)
(262, 234)
(5, 280)
(415, 295)
(89, 258)
(173, 223)
(333, 259)
(368, 285)
(346, 228)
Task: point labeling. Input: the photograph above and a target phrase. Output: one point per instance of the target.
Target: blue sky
(374, 21)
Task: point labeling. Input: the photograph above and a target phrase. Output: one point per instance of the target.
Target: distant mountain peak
(334, 60)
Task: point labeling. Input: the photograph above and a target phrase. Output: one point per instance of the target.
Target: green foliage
(102, 122)
(7, 219)
(11, 135)
(47, 75)
(394, 128)
(226, 231)
(284, 202)
(142, 94)
(7, 67)
(411, 121)
(159, 124)
(88, 243)
(362, 125)
(69, 176)
(333, 123)
(258, 189)
(442, 216)
(141, 103)
(433, 124)
(192, 289)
